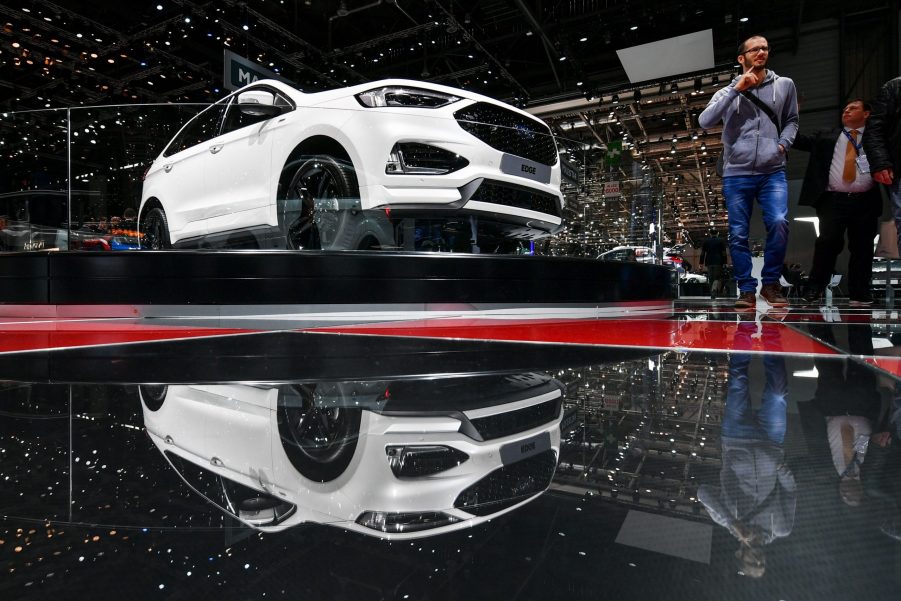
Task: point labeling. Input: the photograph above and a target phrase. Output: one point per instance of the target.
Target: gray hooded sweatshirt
(750, 138)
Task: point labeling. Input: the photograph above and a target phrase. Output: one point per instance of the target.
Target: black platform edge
(279, 277)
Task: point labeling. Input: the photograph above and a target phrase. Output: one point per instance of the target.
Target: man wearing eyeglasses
(759, 111)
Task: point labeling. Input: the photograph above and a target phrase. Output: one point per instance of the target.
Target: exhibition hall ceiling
(515, 50)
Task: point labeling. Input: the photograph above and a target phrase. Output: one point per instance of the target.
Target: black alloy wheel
(310, 213)
(319, 441)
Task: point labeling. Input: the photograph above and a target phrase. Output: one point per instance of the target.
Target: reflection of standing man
(839, 186)
(713, 255)
(883, 144)
(757, 495)
(759, 111)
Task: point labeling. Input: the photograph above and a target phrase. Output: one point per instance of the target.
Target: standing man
(838, 185)
(883, 144)
(759, 111)
(713, 255)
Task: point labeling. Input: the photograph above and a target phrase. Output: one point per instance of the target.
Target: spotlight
(674, 89)
(615, 99)
(715, 81)
(698, 84)
(637, 95)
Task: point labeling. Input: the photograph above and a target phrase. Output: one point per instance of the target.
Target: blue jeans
(770, 421)
(771, 192)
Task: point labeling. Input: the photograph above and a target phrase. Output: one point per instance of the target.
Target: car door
(240, 172)
(183, 188)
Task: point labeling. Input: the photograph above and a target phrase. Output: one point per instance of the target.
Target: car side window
(199, 129)
(235, 118)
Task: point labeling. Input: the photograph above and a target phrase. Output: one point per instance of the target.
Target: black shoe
(812, 297)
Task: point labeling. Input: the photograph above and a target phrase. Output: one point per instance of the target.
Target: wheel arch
(318, 144)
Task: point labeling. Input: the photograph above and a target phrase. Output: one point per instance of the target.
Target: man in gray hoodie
(759, 111)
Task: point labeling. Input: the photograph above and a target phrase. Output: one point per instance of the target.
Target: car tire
(319, 441)
(155, 230)
(311, 214)
(153, 395)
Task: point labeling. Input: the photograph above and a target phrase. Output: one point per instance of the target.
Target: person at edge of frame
(759, 111)
(883, 145)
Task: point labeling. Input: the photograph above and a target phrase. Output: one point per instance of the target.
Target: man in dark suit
(839, 186)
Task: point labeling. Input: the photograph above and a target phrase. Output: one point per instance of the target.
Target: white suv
(394, 164)
(393, 459)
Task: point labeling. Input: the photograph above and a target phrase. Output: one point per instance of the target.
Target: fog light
(422, 460)
(421, 159)
(405, 522)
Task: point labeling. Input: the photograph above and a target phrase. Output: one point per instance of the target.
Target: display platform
(267, 283)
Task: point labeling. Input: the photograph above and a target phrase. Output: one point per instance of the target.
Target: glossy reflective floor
(705, 454)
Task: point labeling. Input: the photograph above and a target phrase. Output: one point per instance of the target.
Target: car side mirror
(260, 110)
(258, 103)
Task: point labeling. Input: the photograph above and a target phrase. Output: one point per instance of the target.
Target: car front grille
(508, 485)
(509, 132)
(513, 422)
(514, 196)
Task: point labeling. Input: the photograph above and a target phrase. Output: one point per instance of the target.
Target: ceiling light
(159, 7)
(744, 19)
(583, 39)
(633, 28)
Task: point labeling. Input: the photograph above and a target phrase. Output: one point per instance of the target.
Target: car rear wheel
(314, 211)
(320, 441)
(155, 230)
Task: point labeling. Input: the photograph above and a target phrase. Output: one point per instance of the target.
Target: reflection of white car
(640, 254)
(390, 164)
(693, 278)
(392, 459)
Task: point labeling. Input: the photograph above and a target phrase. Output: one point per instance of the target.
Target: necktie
(849, 173)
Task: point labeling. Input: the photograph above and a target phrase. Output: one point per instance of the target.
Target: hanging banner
(568, 172)
(611, 189)
(238, 72)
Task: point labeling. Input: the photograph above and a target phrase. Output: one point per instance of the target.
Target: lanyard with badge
(863, 165)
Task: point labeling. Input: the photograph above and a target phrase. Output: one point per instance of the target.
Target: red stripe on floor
(691, 335)
(19, 337)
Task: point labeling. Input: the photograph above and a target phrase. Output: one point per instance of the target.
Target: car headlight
(405, 522)
(405, 97)
(415, 461)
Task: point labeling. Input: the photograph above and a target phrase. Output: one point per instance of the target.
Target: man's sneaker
(746, 300)
(855, 303)
(772, 293)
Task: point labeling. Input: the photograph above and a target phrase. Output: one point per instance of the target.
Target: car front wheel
(312, 212)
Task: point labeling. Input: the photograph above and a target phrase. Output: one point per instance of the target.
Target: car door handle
(167, 168)
(216, 148)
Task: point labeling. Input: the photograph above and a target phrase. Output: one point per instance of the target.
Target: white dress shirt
(862, 182)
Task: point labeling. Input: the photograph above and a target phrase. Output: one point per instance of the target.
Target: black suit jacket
(821, 145)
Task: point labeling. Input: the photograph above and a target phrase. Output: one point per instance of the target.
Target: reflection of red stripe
(889, 364)
(693, 335)
(19, 337)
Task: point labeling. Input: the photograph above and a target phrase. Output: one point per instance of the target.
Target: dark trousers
(856, 214)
